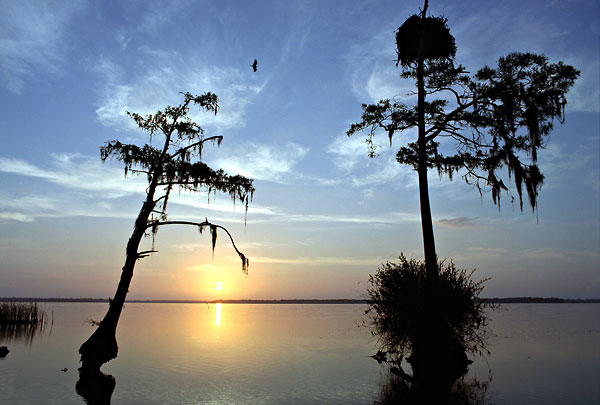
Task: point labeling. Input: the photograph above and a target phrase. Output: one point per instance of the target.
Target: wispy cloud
(350, 156)
(262, 162)
(15, 216)
(585, 95)
(348, 151)
(158, 82)
(104, 185)
(76, 171)
(28, 208)
(373, 75)
(32, 36)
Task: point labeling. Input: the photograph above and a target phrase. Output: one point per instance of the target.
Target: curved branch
(213, 228)
(456, 95)
(217, 138)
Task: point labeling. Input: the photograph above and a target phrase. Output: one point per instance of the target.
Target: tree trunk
(426, 221)
(101, 346)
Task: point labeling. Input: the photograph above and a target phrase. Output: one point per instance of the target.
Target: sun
(219, 287)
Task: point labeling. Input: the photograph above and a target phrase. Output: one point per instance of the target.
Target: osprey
(254, 65)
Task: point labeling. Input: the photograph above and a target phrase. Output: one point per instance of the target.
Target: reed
(22, 315)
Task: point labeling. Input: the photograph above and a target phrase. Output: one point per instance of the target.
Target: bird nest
(438, 42)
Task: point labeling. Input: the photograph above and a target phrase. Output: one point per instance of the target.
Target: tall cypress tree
(500, 117)
(176, 164)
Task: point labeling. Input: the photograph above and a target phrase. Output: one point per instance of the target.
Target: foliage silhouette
(177, 164)
(499, 117)
(413, 315)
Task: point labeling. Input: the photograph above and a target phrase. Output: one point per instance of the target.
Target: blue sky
(324, 215)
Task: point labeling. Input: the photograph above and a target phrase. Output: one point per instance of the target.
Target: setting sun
(219, 287)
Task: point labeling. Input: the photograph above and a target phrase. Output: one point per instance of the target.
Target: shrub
(405, 308)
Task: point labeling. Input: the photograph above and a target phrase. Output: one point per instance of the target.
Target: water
(544, 354)
(291, 354)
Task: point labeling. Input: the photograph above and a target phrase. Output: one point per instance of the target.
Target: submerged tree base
(100, 348)
(431, 322)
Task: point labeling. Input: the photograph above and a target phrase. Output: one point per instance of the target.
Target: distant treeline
(539, 300)
(511, 300)
(287, 301)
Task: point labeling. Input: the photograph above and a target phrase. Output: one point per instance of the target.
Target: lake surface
(291, 354)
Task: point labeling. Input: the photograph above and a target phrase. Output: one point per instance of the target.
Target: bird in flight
(254, 65)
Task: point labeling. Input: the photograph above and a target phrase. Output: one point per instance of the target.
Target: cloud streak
(158, 82)
(32, 35)
(262, 162)
(78, 172)
(104, 185)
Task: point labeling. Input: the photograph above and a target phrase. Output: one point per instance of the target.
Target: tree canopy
(178, 163)
(499, 117)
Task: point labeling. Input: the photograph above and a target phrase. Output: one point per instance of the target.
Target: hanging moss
(438, 42)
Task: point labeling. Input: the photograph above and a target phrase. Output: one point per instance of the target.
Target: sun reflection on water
(218, 315)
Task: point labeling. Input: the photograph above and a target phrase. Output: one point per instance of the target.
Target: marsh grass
(21, 320)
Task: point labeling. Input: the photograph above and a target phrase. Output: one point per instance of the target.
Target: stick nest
(438, 42)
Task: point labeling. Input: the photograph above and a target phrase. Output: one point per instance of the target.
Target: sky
(324, 215)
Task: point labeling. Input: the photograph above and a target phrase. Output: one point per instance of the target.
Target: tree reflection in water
(465, 391)
(95, 388)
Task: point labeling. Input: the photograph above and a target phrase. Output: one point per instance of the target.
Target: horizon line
(517, 299)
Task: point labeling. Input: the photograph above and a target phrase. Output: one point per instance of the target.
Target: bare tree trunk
(101, 346)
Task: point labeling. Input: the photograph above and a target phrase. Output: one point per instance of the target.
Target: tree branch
(159, 198)
(463, 139)
(138, 171)
(449, 117)
(146, 253)
(217, 138)
(213, 228)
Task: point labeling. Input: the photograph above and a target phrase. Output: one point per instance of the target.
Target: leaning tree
(176, 164)
(469, 125)
(498, 118)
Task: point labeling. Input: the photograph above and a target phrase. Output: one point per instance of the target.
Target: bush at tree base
(431, 322)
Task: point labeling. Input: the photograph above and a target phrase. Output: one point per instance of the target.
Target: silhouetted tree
(177, 164)
(499, 117)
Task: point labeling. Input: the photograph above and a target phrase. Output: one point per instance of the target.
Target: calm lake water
(291, 354)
